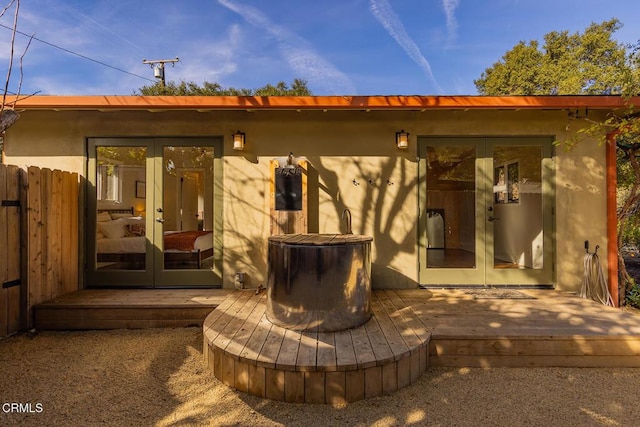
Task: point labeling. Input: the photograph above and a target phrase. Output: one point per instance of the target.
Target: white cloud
(383, 12)
(298, 53)
(449, 7)
(204, 60)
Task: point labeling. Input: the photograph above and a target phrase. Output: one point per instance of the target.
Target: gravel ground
(156, 377)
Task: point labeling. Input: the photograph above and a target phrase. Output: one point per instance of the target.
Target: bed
(121, 238)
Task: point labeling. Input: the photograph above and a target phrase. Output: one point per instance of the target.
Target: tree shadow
(387, 186)
(377, 196)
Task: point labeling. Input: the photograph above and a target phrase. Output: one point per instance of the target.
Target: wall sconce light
(238, 141)
(402, 139)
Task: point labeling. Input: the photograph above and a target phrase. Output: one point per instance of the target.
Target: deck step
(535, 351)
(127, 309)
(84, 318)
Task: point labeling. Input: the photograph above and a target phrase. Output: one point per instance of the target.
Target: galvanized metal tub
(319, 281)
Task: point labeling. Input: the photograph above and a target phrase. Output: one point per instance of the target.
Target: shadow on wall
(382, 204)
(381, 192)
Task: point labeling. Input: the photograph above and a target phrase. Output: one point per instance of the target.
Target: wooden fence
(38, 241)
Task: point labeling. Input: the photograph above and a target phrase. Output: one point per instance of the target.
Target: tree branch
(13, 42)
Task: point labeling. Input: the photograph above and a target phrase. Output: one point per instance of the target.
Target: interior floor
(460, 258)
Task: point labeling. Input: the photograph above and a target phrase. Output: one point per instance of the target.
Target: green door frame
(154, 275)
(483, 274)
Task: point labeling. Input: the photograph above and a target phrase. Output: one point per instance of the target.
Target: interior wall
(517, 236)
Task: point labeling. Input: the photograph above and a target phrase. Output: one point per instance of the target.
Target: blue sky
(340, 47)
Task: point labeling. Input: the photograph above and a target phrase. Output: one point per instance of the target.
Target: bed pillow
(103, 216)
(115, 229)
(136, 230)
(133, 219)
(135, 226)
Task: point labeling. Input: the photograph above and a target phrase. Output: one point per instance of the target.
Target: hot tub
(319, 282)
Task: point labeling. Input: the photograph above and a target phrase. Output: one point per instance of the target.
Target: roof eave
(204, 103)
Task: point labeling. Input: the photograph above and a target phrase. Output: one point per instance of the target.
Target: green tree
(591, 63)
(184, 88)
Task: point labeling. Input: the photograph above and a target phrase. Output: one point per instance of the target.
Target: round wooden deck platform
(246, 351)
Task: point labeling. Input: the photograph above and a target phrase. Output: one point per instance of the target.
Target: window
(109, 183)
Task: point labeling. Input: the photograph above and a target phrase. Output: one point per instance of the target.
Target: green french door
(486, 211)
(154, 212)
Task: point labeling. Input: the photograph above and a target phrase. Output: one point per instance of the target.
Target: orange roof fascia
(132, 102)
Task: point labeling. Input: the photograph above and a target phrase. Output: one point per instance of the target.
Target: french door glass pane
(451, 211)
(187, 207)
(517, 207)
(121, 199)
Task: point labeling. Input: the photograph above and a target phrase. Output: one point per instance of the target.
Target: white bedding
(122, 233)
(137, 244)
(124, 245)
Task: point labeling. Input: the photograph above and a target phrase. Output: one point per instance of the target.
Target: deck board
(289, 351)
(416, 325)
(396, 343)
(400, 318)
(379, 344)
(345, 353)
(326, 358)
(215, 315)
(226, 325)
(139, 297)
(365, 357)
(236, 333)
(258, 337)
(307, 351)
(271, 348)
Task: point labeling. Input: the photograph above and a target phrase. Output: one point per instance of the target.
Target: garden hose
(594, 283)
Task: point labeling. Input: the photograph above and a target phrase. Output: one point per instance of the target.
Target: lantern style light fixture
(238, 141)
(402, 139)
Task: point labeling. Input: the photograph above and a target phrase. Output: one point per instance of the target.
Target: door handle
(159, 219)
(491, 219)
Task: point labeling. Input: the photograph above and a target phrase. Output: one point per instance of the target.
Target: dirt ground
(156, 377)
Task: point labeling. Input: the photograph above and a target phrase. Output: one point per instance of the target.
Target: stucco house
(454, 190)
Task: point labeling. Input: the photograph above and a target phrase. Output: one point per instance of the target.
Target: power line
(77, 54)
(66, 9)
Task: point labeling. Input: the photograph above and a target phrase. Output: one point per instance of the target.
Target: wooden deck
(410, 331)
(246, 351)
(551, 329)
(128, 308)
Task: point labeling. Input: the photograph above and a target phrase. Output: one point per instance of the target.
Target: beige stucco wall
(346, 150)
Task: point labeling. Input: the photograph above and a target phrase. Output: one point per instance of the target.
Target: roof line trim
(132, 102)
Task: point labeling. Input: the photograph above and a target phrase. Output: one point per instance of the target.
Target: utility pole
(158, 67)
